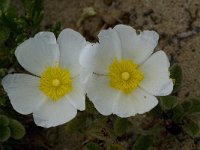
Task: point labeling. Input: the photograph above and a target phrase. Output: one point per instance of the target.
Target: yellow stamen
(55, 82)
(125, 75)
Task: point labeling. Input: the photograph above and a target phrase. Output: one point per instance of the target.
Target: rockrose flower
(126, 74)
(52, 92)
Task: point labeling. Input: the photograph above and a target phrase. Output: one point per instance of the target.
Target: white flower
(53, 93)
(126, 75)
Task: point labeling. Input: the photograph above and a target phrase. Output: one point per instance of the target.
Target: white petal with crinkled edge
(71, 43)
(101, 94)
(99, 56)
(77, 96)
(52, 114)
(35, 54)
(137, 102)
(23, 91)
(137, 47)
(156, 75)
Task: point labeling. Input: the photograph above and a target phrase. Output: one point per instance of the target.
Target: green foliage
(176, 75)
(4, 133)
(4, 34)
(56, 29)
(17, 129)
(115, 147)
(4, 121)
(191, 128)
(121, 125)
(156, 112)
(168, 102)
(76, 124)
(144, 142)
(92, 146)
(4, 129)
(4, 5)
(178, 114)
(191, 106)
(101, 132)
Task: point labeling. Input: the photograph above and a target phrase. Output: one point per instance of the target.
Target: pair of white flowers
(120, 75)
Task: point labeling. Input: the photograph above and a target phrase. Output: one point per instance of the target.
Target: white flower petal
(84, 76)
(77, 96)
(134, 46)
(156, 75)
(52, 114)
(71, 44)
(101, 94)
(35, 54)
(137, 102)
(23, 91)
(99, 56)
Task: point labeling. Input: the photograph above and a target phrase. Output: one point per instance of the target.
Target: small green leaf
(121, 125)
(17, 129)
(75, 124)
(178, 113)
(4, 34)
(156, 112)
(4, 5)
(187, 105)
(101, 132)
(4, 121)
(168, 102)
(115, 147)
(191, 106)
(56, 28)
(176, 75)
(143, 142)
(191, 128)
(92, 146)
(4, 133)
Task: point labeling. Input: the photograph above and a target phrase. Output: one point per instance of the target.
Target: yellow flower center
(125, 75)
(56, 82)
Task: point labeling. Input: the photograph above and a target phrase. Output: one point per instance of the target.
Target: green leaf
(178, 114)
(168, 102)
(4, 133)
(156, 112)
(56, 28)
(192, 106)
(121, 125)
(101, 132)
(4, 121)
(76, 124)
(4, 5)
(143, 142)
(4, 34)
(191, 128)
(187, 105)
(17, 129)
(92, 146)
(176, 75)
(115, 147)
